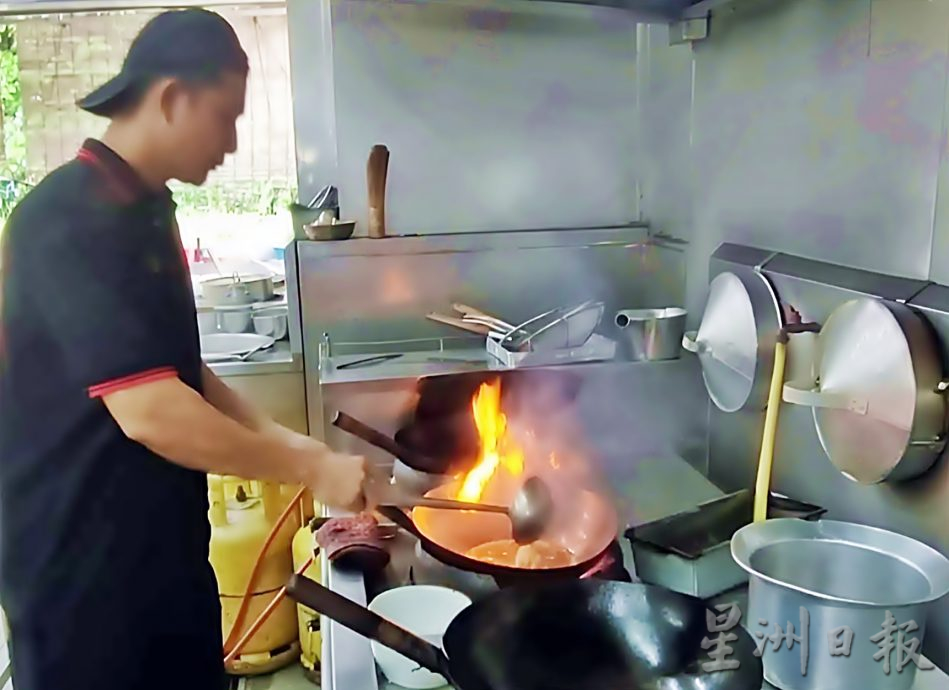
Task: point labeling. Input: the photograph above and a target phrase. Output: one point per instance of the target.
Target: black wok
(587, 527)
(568, 635)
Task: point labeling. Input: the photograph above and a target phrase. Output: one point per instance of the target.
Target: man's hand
(341, 481)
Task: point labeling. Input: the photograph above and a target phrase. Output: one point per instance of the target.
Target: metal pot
(235, 319)
(652, 334)
(237, 290)
(876, 392)
(834, 582)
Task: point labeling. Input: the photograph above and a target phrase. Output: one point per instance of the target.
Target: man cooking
(108, 418)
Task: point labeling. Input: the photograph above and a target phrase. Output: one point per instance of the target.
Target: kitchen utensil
(376, 172)
(425, 611)
(529, 512)
(478, 328)
(271, 321)
(513, 337)
(219, 347)
(689, 552)
(235, 319)
(735, 341)
(586, 528)
(826, 577)
(368, 361)
(376, 438)
(652, 334)
(569, 328)
(596, 349)
(207, 319)
(329, 231)
(877, 401)
(237, 290)
(416, 482)
(471, 313)
(576, 635)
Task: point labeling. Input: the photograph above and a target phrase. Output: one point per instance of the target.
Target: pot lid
(866, 394)
(727, 341)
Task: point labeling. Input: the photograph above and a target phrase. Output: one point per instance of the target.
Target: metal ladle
(530, 511)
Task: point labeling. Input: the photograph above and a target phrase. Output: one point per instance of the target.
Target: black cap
(192, 44)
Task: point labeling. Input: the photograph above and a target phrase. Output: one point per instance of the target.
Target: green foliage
(257, 198)
(14, 178)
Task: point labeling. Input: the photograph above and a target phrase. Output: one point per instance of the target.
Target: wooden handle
(478, 328)
(380, 440)
(368, 624)
(478, 314)
(376, 174)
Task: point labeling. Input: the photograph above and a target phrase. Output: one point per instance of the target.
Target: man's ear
(167, 91)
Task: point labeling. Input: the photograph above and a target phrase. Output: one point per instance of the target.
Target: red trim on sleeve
(126, 382)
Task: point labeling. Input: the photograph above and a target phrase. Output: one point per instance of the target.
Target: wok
(570, 635)
(586, 527)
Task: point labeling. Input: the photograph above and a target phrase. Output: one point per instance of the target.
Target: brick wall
(62, 57)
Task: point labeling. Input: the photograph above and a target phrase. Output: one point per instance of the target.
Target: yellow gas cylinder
(308, 621)
(242, 514)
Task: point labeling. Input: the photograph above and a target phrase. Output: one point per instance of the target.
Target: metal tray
(689, 552)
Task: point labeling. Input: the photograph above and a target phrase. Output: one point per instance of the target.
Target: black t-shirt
(95, 297)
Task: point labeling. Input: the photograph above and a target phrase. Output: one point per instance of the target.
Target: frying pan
(586, 527)
(572, 635)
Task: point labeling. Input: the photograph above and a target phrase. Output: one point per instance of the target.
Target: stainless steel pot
(652, 334)
(237, 290)
(837, 582)
(876, 392)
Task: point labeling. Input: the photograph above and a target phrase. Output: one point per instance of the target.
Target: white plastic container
(421, 609)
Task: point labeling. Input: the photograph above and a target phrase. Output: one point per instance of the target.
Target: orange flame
(498, 448)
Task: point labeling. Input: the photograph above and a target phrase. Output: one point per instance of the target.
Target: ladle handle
(380, 440)
(448, 504)
(361, 620)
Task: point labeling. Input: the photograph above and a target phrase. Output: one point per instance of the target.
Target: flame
(498, 448)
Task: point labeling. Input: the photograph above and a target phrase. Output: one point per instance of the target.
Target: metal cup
(652, 334)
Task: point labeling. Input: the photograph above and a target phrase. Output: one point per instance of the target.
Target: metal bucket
(652, 334)
(851, 593)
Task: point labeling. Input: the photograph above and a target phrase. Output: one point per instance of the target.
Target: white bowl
(421, 609)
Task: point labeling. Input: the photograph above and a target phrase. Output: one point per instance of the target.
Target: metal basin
(837, 582)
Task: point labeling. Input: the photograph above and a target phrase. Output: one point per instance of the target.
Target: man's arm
(174, 421)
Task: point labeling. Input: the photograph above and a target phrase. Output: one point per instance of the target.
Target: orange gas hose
(262, 618)
(255, 572)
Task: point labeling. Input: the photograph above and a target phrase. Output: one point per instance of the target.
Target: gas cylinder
(242, 514)
(308, 621)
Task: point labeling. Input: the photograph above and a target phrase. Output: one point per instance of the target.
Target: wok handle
(399, 517)
(361, 620)
(379, 440)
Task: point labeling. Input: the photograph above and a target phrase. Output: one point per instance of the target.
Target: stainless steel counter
(277, 360)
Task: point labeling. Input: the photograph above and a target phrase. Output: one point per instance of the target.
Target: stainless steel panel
(280, 396)
(815, 131)
(365, 291)
(498, 115)
(919, 509)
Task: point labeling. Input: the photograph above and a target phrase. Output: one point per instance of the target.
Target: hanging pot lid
(741, 315)
(875, 402)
